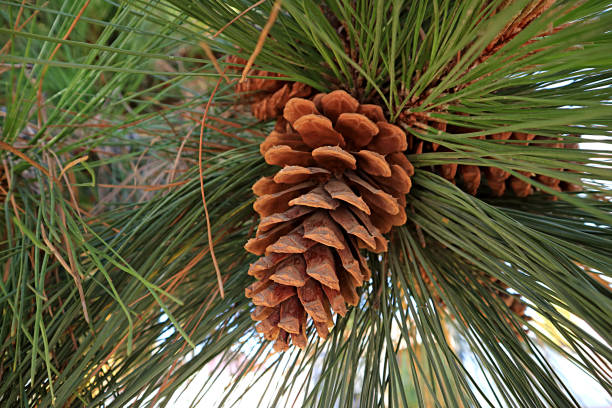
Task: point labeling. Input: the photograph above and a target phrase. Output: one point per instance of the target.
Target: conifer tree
(340, 203)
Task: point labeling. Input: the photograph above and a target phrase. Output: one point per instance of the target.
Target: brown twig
(262, 39)
(210, 240)
(214, 61)
(6, 146)
(251, 7)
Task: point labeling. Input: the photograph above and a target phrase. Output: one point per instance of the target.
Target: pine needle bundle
(408, 192)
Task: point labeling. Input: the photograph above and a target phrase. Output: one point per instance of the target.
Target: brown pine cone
(499, 181)
(267, 97)
(419, 116)
(342, 185)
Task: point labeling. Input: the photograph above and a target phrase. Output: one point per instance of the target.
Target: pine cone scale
(334, 158)
(341, 191)
(322, 229)
(293, 243)
(316, 198)
(357, 129)
(320, 265)
(291, 272)
(343, 217)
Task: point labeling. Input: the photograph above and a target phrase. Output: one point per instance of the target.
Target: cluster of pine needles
(131, 144)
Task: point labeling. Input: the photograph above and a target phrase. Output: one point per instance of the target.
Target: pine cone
(499, 181)
(267, 97)
(418, 116)
(342, 186)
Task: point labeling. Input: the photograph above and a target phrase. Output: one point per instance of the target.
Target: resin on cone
(342, 186)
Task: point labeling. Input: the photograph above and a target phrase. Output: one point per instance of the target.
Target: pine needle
(233, 20)
(11, 149)
(208, 228)
(69, 269)
(144, 187)
(44, 71)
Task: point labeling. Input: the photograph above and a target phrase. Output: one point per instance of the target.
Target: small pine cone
(546, 180)
(496, 177)
(564, 185)
(271, 106)
(554, 183)
(549, 181)
(258, 87)
(441, 126)
(513, 301)
(267, 97)
(499, 181)
(570, 187)
(448, 171)
(527, 137)
(341, 187)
